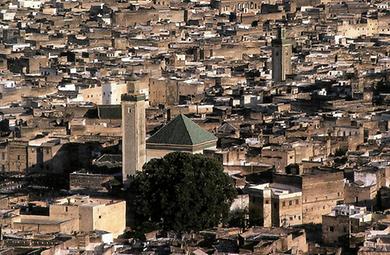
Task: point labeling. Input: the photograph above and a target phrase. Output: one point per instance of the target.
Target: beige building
(134, 134)
(282, 156)
(276, 240)
(275, 205)
(164, 91)
(338, 225)
(370, 27)
(112, 92)
(91, 94)
(109, 93)
(93, 213)
(77, 214)
(245, 6)
(45, 224)
(281, 57)
(322, 190)
(278, 156)
(17, 156)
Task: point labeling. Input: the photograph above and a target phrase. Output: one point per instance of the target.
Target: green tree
(292, 169)
(340, 152)
(238, 218)
(181, 192)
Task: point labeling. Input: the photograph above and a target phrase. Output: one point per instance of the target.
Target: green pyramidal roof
(181, 130)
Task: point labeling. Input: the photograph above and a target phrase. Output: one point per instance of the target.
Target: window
(296, 201)
(283, 204)
(267, 202)
(290, 202)
(331, 229)
(66, 209)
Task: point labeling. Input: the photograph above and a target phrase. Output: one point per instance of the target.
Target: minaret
(133, 134)
(281, 56)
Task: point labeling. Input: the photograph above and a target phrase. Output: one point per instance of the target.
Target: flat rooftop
(84, 201)
(277, 188)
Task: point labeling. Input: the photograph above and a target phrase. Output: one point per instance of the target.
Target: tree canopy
(181, 192)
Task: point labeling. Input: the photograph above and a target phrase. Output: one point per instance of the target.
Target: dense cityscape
(194, 127)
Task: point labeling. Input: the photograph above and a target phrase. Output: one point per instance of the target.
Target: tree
(292, 169)
(340, 152)
(238, 218)
(181, 192)
(340, 156)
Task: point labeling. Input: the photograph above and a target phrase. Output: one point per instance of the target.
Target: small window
(66, 209)
(283, 204)
(296, 201)
(290, 202)
(331, 229)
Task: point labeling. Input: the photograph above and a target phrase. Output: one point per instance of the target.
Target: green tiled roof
(109, 111)
(182, 131)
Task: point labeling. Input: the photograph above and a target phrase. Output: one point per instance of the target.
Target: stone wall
(17, 95)
(321, 192)
(88, 181)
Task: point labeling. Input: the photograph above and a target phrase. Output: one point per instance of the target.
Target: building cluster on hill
(290, 96)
